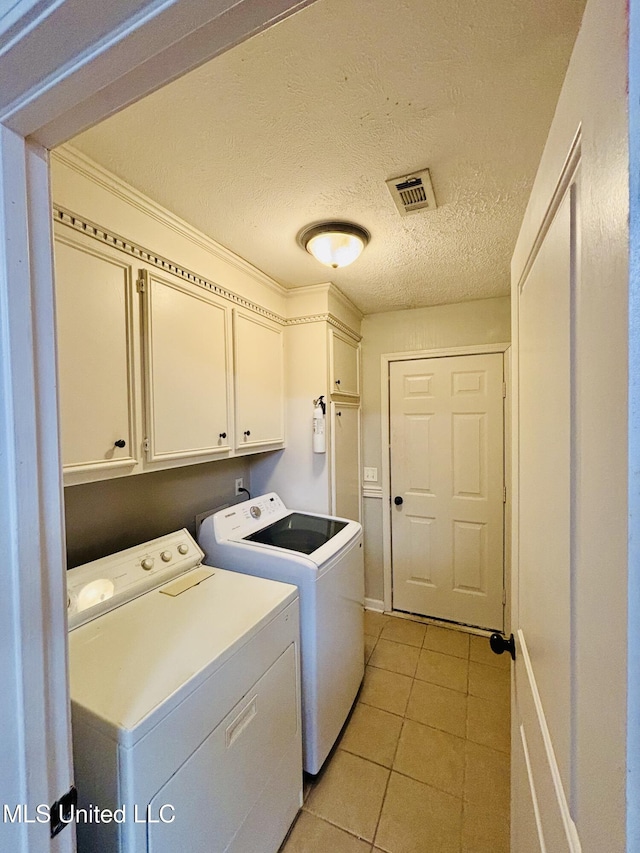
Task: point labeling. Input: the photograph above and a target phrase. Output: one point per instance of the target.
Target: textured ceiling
(307, 120)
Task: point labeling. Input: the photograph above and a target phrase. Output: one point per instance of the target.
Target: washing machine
(323, 556)
(185, 697)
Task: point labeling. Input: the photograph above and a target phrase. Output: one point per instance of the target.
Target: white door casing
(447, 470)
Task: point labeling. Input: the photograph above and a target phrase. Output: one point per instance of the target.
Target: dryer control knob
(165, 556)
(182, 549)
(147, 563)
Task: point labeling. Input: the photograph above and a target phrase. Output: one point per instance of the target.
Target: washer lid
(133, 665)
(298, 532)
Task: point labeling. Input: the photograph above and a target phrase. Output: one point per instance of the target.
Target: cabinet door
(344, 355)
(96, 319)
(259, 381)
(186, 347)
(345, 460)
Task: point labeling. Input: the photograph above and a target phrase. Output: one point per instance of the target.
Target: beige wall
(484, 321)
(108, 516)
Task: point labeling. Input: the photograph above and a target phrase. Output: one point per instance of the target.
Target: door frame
(385, 361)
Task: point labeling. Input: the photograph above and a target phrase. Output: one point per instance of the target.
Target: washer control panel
(244, 518)
(103, 585)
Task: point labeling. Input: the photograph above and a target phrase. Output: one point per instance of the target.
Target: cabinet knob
(223, 435)
(247, 432)
(337, 381)
(339, 414)
(120, 443)
(398, 500)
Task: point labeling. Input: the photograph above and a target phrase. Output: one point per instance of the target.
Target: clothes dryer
(185, 700)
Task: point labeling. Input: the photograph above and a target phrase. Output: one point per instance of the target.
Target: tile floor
(422, 765)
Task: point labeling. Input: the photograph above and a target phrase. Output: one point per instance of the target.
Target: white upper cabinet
(97, 319)
(187, 354)
(259, 382)
(155, 370)
(344, 362)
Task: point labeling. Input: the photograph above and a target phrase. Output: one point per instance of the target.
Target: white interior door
(447, 487)
(542, 767)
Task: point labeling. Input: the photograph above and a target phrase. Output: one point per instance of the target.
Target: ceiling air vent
(413, 192)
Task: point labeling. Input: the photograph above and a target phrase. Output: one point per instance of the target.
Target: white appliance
(323, 556)
(185, 697)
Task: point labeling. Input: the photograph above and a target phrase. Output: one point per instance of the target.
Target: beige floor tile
(488, 723)
(480, 652)
(431, 756)
(369, 646)
(445, 670)
(447, 641)
(349, 794)
(486, 778)
(438, 707)
(404, 631)
(374, 622)
(311, 834)
(386, 690)
(397, 657)
(489, 682)
(372, 734)
(484, 830)
(418, 819)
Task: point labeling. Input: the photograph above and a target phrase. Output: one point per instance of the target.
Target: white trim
(114, 59)
(36, 752)
(375, 604)
(372, 492)
(83, 165)
(81, 224)
(385, 361)
(532, 789)
(567, 176)
(571, 832)
(326, 288)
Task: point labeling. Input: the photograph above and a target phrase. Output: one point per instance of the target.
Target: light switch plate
(371, 475)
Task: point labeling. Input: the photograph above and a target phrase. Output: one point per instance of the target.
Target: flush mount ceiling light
(336, 244)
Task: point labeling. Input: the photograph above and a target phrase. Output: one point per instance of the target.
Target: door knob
(500, 644)
(398, 500)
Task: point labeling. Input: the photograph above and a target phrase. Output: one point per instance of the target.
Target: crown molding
(325, 288)
(80, 223)
(91, 229)
(345, 301)
(324, 318)
(93, 171)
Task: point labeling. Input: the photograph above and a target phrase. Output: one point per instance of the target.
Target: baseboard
(374, 604)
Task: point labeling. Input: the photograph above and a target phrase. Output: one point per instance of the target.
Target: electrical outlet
(239, 485)
(371, 475)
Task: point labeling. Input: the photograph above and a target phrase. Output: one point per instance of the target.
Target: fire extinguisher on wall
(319, 432)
